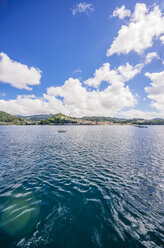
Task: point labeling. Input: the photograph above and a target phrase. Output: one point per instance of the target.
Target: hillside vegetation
(35, 117)
(5, 117)
(102, 119)
(58, 119)
(61, 119)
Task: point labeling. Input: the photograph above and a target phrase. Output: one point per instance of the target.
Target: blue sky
(50, 51)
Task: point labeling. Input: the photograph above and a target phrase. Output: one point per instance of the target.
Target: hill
(59, 119)
(35, 117)
(7, 118)
(102, 119)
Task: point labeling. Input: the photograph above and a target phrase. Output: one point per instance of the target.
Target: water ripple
(93, 186)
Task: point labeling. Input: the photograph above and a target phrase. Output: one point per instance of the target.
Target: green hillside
(58, 119)
(35, 117)
(102, 119)
(5, 117)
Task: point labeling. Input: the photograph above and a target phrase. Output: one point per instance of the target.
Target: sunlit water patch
(92, 186)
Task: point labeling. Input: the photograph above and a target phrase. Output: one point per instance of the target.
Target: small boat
(61, 131)
(140, 126)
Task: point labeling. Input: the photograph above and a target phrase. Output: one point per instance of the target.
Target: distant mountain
(60, 119)
(157, 119)
(102, 119)
(154, 122)
(5, 117)
(36, 117)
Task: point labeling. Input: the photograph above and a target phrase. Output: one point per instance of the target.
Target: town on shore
(61, 119)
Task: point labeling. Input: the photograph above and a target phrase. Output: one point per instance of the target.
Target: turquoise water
(93, 186)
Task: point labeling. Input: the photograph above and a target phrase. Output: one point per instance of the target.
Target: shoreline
(96, 124)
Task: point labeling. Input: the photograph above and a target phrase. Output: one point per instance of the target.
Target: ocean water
(93, 186)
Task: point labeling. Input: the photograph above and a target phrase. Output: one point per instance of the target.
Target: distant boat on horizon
(62, 131)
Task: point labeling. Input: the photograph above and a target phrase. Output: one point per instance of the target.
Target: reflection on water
(92, 186)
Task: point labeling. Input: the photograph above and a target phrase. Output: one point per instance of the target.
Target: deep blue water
(93, 186)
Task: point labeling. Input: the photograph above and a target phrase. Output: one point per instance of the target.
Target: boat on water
(140, 126)
(61, 131)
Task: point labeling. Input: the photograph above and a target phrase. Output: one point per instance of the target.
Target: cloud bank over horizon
(77, 97)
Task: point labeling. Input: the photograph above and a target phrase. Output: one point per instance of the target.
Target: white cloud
(156, 90)
(155, 93)
(122, 12)
(83, 7)
(74, 99)
(145, 25)
(114, 77)
(150, 57)
(80, 102)
(136, 113)
(26, 105)
(18, 75)
(162, 39)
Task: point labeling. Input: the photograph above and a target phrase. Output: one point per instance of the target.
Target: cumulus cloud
(75, 99)
(162, 39)
(18, 75)
(115, 77)
(83, 7)
(150, 57)
(121, 12)
(80, 102)
(156, 90)
(136, 113)
(144, 26)
(30, 105)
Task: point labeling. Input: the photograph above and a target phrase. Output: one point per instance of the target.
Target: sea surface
(92, 186)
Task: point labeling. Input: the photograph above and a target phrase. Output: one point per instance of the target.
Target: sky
(82, 58)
